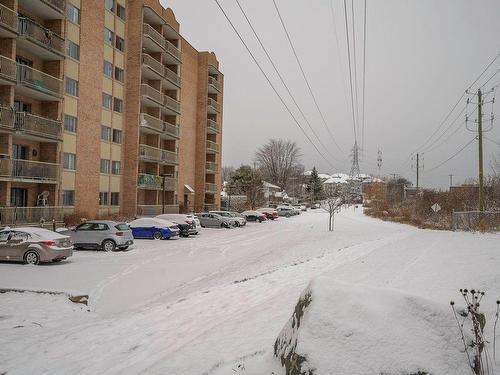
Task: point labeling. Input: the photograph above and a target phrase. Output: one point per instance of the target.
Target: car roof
(35, 230)
(110, 222)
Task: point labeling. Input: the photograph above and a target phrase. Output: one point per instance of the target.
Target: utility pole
(379, 161)
(480, 139)
(418, 169)
(451, 180)
(163, 195)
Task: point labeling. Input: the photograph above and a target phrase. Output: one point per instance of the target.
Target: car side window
(100, 226)
(4, 235)
(19, 236)
(85, 226)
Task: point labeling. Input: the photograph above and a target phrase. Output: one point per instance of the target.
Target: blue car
(153, 228)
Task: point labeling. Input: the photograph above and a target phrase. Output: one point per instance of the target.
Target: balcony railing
(154, 182)
(212, 125)
(154, 64)
(6, 117)
(157, 155)
(29, 170)
(212, 103)
(173, 50)
(172, 103)
(212, 146)
(212, 81)
(41, 36)
(154, 35)
(38, 125)
(171, 130)
(32, 215)
(39, 81)
(211, 188)
(152, 123)
(7, 68)
(152, 93)
(8, 18)
(212, 167)
(173, 77)
(59, 5)
(153, 210)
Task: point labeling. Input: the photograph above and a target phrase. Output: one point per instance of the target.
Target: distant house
(271, 192)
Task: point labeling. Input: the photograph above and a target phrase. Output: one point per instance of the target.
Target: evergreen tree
(315, 186)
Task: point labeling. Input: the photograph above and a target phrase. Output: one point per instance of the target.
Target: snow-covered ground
(209, 304)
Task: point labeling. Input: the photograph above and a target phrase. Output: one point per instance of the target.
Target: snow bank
(339, 328)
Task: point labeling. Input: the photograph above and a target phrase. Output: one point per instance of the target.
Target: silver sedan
(34, 245)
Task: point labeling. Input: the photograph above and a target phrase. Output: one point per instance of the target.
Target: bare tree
(226, 173)
(334, 199)
(279, 159)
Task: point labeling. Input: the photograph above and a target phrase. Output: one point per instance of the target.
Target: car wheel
(108, 245)
(237, 224)
(157, 236)
(31, 257)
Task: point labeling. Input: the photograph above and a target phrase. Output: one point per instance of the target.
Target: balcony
(152, 97)
(212, 167)
(154, 182)
(153, 40)
(152, 68)
(46, 9)
(153, 125)
(173, 79)
(157, 155)
(173, 106)
(33, 215)
(153, 210)
(212, 147)
(6, 118)
(39, 128)
(210, 188)
(174, 55)
(8, 22)
(212, 127)
(29, 171)
(213, 106)
(39, 40)
(38, 85)
(214, 86)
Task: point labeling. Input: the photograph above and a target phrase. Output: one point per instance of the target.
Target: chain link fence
(476, 220)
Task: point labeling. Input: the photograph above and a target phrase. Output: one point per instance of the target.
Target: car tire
(237, 224)
(157, 236)
(31, 257)
(108, 245)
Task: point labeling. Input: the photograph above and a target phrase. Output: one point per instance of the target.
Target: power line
(489, 79)
(305, 76)
(355, 65)
(484, 71)
(350, 71)
(270, 83)
(453, 156)
(283, 80)
(491, 140)
(364, 80)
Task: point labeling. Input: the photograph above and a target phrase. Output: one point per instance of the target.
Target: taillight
(119, 234)
(48, 243)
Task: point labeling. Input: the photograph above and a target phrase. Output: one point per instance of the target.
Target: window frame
(74, 124)
(69, 161)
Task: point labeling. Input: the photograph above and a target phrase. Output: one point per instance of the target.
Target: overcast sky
(420, 57)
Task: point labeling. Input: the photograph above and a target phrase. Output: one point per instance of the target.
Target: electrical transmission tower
(355, 172)
(379, 161)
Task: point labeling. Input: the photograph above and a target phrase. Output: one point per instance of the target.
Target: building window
(105, 133)
(73, 13)
(108, 69)
(118, 105)
(69, 161)
(120, 11)
(73, 50)
(108, 36)
(68, 198)
(115, 199)
(71, 87)
(119, 75)
(70, 123)
(107, 100)
(119, 43)
(103, 198)
(117, 136)
(105, 166)
(109, 4)
(116, 167)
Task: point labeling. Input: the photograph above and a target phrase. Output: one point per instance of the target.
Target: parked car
(192, 222)
(254, 216)
(210, 220)
(104, 235)
(270, 212)
(286, 211)
(239, 220)
(34, 245)
(157, 229)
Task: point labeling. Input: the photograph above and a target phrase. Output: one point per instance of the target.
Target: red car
(270, 213)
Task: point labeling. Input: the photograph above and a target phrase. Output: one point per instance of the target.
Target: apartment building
(105, 109)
